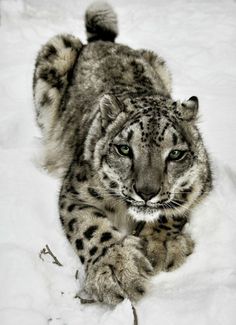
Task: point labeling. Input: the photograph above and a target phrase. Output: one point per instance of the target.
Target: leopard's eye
(124, 150)
(176, 154)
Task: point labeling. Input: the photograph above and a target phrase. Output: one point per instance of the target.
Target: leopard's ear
(110, 107)
(188, 109)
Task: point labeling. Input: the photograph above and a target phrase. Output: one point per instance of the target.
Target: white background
(198, 41)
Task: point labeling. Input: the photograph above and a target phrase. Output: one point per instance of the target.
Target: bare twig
(135, 315)
(77, 274)
(48, 251)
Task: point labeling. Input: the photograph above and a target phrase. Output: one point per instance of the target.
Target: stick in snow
(135, 315)
(46, 251)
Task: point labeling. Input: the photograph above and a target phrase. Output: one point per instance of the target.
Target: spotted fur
(124, 215)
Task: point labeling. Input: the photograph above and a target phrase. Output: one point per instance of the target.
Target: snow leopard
(131, 159)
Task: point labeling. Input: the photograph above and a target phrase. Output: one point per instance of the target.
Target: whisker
(183, 192)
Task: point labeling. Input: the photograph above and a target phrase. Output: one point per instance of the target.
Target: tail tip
(101, 22)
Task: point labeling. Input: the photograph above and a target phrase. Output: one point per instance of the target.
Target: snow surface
(198, 40)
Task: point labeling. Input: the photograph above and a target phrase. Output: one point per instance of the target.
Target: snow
(198, 40)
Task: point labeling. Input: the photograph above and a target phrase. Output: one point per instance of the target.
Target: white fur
(142, 216)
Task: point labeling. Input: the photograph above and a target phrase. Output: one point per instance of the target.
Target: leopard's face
(156, 162)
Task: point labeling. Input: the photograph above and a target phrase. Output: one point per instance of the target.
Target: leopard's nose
(147, 193)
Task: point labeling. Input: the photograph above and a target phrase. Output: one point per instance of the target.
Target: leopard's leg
(166, 244)
(53, 71)
(114, 263)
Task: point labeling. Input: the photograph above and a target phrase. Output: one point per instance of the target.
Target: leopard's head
(151, 155)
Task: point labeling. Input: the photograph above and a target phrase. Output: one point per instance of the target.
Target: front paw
(177, 251)
(169, 254)
(121, 273)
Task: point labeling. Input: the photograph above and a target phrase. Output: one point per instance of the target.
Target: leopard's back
(70, 78)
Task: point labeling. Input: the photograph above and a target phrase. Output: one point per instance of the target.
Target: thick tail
(101, 22)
